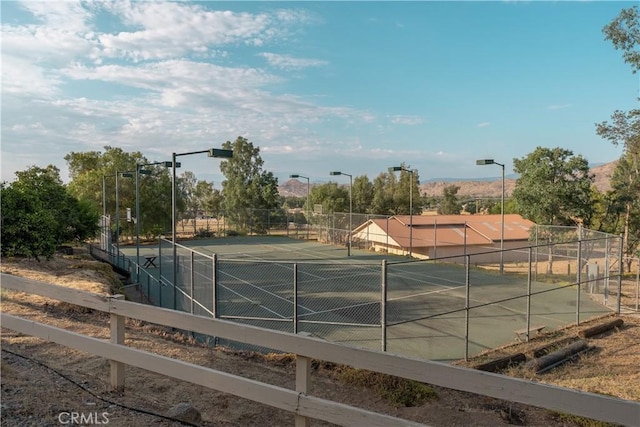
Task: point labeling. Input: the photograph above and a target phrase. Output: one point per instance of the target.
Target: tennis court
(439, 310)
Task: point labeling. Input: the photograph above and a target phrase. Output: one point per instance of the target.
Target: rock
(185, 412)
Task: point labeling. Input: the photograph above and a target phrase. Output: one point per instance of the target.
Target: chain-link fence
(441, 309)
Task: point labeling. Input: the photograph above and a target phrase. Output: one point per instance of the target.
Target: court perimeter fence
(439, 309)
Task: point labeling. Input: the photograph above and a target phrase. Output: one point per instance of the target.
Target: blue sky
(318, 86)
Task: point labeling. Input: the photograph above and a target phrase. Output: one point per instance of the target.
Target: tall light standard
(127, 174)
(105, 238)
(493, 162)
(411, 171)
(139, 171)
(350, 207)
(308, 205)
(213, 152)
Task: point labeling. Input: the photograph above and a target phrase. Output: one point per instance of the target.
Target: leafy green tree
(93, 174)
(293, 202)
(450, 205)
(362, 194)
(332, 197)
(384, 186)
(554, 187)
(39, 214)
(187, 189)
(624, 33)
(624, 129)
(247, 187)
(406, 193)
(28, 229)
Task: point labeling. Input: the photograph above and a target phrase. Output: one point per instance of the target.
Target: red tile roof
(453, 230)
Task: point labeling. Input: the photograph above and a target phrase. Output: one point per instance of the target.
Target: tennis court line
(262, 290)
(425, 293)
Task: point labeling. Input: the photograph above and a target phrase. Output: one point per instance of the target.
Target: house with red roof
(438, 236)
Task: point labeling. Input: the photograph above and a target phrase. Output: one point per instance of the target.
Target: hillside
(468, 189)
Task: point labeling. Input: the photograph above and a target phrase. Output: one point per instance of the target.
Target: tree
(624, 33)
(28, 229)
(624, 129)
(362, 194)
(247, 187)
(449, 205)
(40, 214)
(187, 190)
(406, 193)
(554, 188)
(332, 197)
(89, 171)
(383, 189)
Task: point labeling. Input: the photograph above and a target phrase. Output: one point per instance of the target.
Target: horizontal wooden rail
(590, 405)
(282, 398)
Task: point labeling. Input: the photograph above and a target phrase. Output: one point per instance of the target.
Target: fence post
(214, 307)
(117, 337)
(193, 278)
(467, 261)
(529, 284)
(160, 271)
(295, 297)
(383, 304)
(620, 271)
(303, 378)
(579, 279)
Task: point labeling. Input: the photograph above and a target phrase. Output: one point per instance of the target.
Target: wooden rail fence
(304, 406)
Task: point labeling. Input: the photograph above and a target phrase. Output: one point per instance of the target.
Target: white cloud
(288, 62)
(168, 29)
(483, 124)
(407, 120)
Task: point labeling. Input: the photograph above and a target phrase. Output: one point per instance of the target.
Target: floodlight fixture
(219, 152)
(212, 152)
(412, 172)
(493, 162)
(334, 173)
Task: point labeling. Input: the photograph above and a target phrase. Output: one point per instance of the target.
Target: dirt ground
(44, 384)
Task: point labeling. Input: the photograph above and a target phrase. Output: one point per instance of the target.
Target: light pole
(127, 174)
(117, 220)
(350, 207)
(308, 205)
(138, 172)
(411, 171)
(105, 239)
(493, 162)
(213, 152)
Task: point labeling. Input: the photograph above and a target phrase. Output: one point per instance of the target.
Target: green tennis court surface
(341, 298)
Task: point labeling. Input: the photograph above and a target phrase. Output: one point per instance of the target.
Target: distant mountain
(469, 188)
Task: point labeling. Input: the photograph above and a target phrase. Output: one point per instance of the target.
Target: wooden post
(303, 378)
(117, 337)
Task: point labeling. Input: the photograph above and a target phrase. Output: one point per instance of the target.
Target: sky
(355, 87)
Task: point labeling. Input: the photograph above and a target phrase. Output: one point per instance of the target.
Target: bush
(204, 233)
(398, 391)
